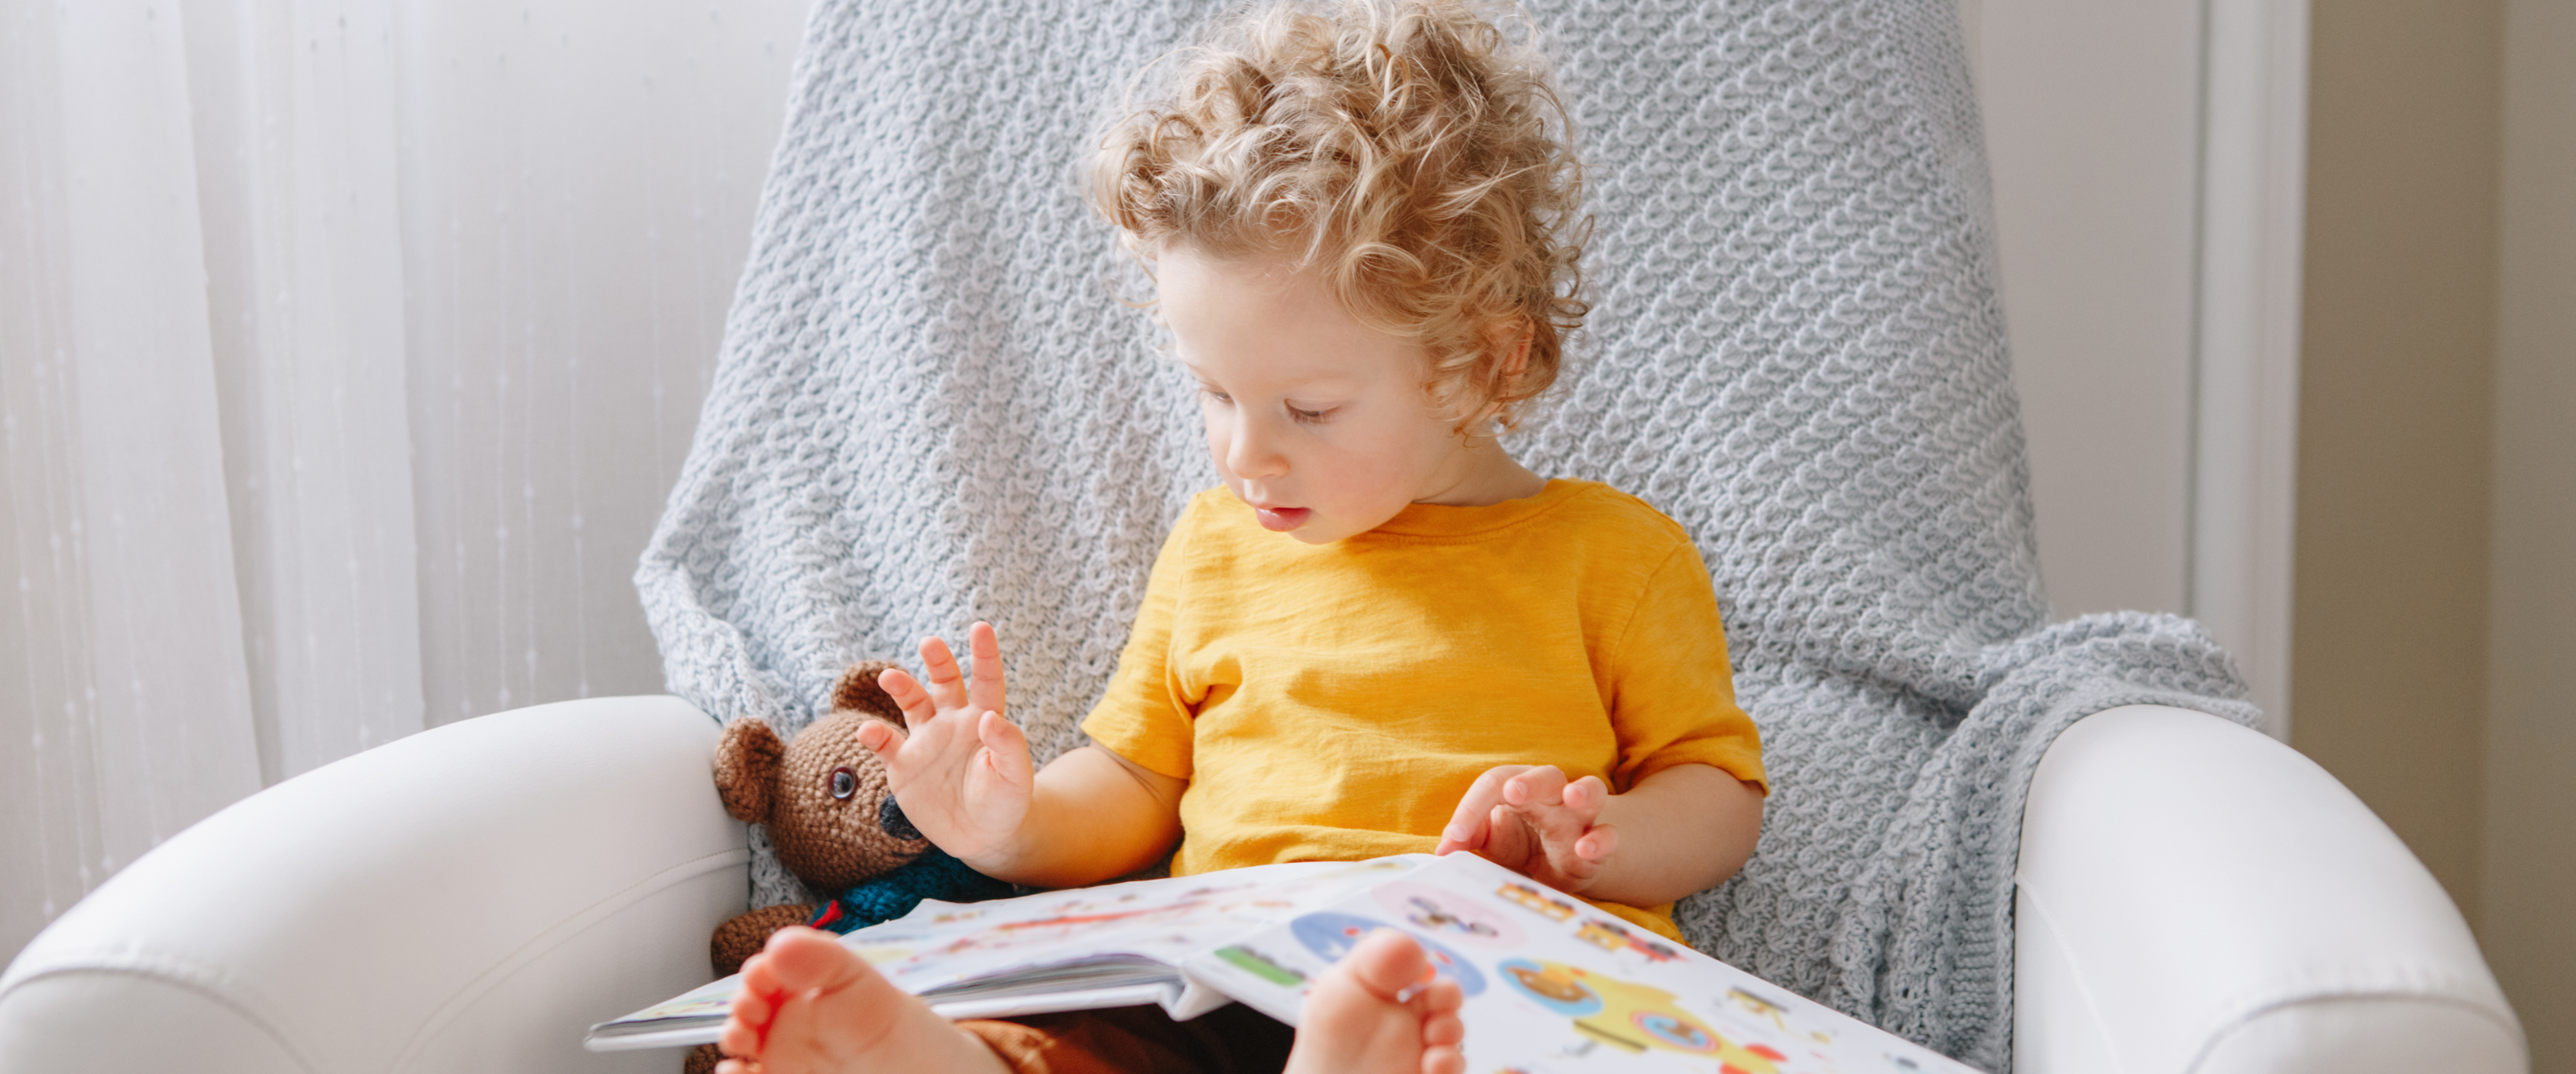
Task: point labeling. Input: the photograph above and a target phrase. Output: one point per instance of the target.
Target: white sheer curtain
(347, 351)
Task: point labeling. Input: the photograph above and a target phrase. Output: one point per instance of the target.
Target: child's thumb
(1008, 746)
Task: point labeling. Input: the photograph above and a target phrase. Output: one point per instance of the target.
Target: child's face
(1319, 422)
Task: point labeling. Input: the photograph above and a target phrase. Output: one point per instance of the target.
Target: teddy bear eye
(844, 783)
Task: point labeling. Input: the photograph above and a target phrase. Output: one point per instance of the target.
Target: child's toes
(1444, 1028)
(1387, 963)
(738, 1039)
(747, 1022)
(1442, 996)
(758, 978)
(798, 960)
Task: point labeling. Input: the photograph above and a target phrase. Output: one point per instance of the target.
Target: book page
(1555, 986)
(940, 947)
(1080, 948)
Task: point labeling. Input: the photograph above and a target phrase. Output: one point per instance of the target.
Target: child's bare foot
(1374, 1014)
(809, 1004)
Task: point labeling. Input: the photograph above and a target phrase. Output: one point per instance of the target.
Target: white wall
(2146, 160)
(2092, 132)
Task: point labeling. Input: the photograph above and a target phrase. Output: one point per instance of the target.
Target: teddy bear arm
(744, 935)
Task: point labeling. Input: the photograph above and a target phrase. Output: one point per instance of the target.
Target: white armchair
(2194, 897)
(469, 898)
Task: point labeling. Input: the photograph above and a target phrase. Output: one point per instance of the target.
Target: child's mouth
(1282, 519)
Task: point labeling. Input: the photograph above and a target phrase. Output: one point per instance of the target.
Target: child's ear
(1516, 361)
(1513, 341)
(747, 768)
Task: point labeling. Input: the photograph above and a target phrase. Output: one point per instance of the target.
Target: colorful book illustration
(1553, 985)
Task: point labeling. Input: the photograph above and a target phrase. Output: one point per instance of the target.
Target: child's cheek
(1220, 436)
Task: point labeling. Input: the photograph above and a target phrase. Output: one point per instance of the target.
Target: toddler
(1382, 635)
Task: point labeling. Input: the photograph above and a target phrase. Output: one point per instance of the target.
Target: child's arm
(964, 777)
(1680, 830)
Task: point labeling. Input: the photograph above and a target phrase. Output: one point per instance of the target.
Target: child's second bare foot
(1374, 1014)
(808, 1004)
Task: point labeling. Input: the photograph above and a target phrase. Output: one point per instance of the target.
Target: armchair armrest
(470, 897)
(2196, 897)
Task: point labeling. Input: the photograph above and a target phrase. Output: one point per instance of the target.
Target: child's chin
(1319, 530)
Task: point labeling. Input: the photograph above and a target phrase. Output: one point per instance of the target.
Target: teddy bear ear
(747, 768)
(857, 691)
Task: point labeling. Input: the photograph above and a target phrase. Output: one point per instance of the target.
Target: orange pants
(1138, 1040)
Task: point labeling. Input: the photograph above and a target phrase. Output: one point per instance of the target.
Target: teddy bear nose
(844, 783)
(890, 820)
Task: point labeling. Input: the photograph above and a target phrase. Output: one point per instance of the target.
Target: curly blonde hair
(1405, 149)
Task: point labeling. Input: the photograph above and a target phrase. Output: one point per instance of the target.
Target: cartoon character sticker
(1631, 1016)
(1612, 937)
(1331, 935)
(1558, 988)
(1448, 915)
(1536, 901)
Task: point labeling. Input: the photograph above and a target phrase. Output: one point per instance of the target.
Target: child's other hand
(1528, 818)
(963, 774)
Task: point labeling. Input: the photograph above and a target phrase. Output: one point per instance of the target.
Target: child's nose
(1255, 451)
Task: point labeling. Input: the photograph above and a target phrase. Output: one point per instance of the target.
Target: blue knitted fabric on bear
(933, 875)
(931, 408)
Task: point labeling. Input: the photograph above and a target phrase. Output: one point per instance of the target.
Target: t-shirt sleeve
(1673, 693)
(1140, 717)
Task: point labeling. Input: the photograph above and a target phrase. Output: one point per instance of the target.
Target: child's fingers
(1573, 859)
(1007, 748)
(1539, 785)
(1549, 836)
(1467, 828)
(1585, 797)
(1507, 838)
(1598, 843)
(1559, 812)
(985, 691)
(947, 685)
(908, 694)
(1459, 836)
(880, 739)
(1538, 796)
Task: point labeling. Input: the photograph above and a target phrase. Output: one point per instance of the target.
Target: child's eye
(1307, 416)
(1216, 395)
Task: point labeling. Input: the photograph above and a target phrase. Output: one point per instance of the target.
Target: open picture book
(1551, 984)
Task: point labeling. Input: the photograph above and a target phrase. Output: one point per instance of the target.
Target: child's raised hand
(1528, 818)
(963, 774)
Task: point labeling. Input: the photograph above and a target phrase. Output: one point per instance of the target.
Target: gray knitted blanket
(930, 408)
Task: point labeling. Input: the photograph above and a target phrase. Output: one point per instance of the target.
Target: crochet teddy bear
(824, 799)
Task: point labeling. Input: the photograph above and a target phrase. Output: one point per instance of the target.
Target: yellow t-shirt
(1334, 702)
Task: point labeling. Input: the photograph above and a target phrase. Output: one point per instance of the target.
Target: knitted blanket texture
(931, 407)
